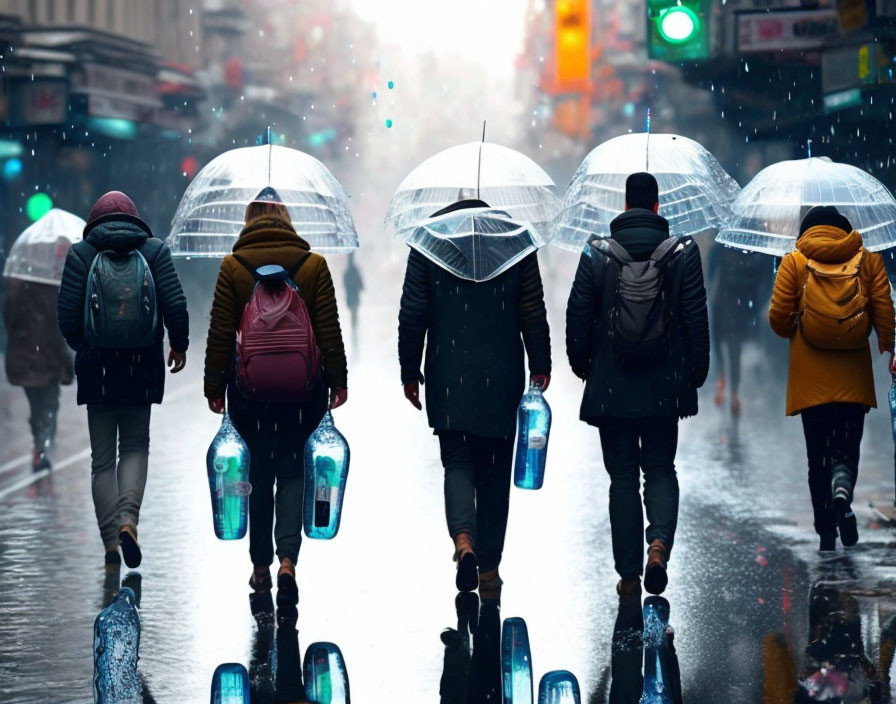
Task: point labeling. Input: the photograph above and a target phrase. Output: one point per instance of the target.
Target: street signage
(785, 29)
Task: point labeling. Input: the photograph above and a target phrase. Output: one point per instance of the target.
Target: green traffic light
(38, 205)
(678, 25)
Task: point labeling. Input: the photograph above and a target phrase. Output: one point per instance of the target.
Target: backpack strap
(611, 249)
(298, 265)
(665, 250)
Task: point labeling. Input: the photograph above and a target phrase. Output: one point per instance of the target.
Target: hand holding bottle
(412, 394)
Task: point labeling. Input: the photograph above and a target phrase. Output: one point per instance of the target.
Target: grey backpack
(640, 304)
(120, 305)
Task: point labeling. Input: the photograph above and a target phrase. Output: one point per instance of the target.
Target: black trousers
(477, 490)
(277, 455)
(833, 436)
(44, 403)
(631, 446)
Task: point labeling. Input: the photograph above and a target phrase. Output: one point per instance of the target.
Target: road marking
(73, 459)
(14, 464)
(29, 480)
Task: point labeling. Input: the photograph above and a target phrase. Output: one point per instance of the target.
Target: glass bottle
(325, 674)
(559, 687)
(230, 684)
(326, 472)
(533, 431)
(516, 662)
(227, 464)
(116, 644)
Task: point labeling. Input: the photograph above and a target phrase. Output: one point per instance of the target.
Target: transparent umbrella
(212, 210)
(475, 244)
(767, 213)
(695, 191)
(505, 179)
(39, 253)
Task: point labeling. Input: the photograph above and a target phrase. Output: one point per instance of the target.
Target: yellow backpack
(833, 306)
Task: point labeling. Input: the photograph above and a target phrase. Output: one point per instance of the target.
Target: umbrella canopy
(39, 253)
(695, 191)
(212, 210)
(767, 213)
(506, 179)
(475, 244)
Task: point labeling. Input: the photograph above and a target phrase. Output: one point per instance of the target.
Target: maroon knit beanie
(112, 203)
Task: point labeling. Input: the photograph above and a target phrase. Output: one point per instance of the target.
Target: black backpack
(120, 304)
(639, 302)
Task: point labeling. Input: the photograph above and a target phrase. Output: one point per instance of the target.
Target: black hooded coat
(121, 376)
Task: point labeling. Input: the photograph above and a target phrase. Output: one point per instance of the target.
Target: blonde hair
(258, 208)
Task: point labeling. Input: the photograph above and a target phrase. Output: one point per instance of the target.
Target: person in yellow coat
(829, 294)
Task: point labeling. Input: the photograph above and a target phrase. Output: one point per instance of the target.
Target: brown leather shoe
(655, 577)
(629, 587)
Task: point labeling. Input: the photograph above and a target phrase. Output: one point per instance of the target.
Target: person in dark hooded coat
(637, 407)
(118, 386)
(474, 334)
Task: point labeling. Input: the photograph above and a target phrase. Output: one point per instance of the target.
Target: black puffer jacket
(668, 387)
(474, 334)
(107, 376)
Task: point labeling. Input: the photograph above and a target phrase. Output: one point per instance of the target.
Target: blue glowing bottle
(326, 472)
(559, 687)
(230, 684)
(227, 464)
(533, 430)
(516, 662)
(116, 644)
(326, 678)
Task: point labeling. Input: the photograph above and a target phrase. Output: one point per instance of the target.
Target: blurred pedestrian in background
(353, 284)
(828, 296)
(119, 293)
(276, 432)
(738, 288)
(637, 332)
(37, 358)
(474, 333)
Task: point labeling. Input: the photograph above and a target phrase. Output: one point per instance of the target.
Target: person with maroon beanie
(119, 381)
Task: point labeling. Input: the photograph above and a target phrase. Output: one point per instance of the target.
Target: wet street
(740, 576)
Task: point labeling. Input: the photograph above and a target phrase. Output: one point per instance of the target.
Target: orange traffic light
(572, 43)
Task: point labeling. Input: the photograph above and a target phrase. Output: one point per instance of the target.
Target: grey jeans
(118, 488)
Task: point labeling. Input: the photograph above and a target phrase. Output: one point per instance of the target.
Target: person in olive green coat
(276, 433)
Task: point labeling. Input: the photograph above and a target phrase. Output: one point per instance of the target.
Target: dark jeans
(44, 404)
(833, 436)
(477, 491)
(630, 446)
(277, 453)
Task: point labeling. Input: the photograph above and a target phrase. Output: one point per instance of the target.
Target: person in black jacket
(118, 386)
(474, 334)
(636, 407)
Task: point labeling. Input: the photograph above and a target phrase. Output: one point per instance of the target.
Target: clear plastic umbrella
(212, 210)
(695, 191)
(475, 244)
(505, 179)
(39, 253)
(767, 213)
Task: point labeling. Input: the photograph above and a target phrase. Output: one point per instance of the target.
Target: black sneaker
(846, 520)
(133, 556)
(467, 579)
(40, 462)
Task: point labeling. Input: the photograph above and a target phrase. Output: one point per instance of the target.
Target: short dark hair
(641, 191)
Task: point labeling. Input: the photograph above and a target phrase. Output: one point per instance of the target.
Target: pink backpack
(276, 352)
